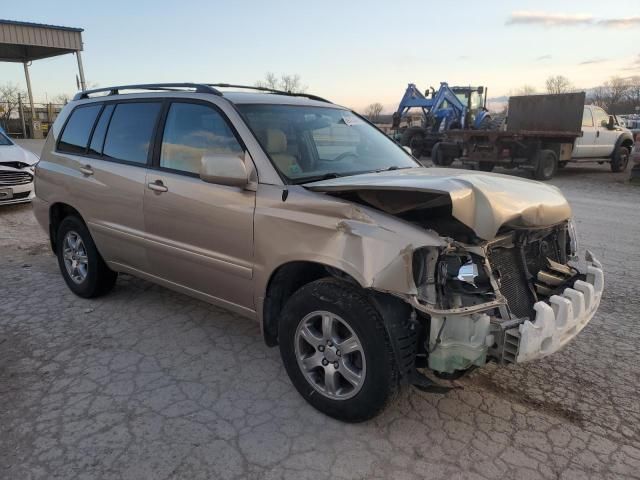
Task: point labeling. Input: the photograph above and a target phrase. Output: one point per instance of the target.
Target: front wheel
(546, 165)
(336, 351)
(620, 160)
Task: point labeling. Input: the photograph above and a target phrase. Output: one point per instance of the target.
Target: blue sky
(352, 52)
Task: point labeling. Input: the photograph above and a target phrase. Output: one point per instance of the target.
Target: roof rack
(198, 87)
(270, 90)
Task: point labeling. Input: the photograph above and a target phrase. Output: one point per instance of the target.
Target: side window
(587, 118)
(130, 131)
(600, 117)
(75, 136)
(192, 131)
(97, 140)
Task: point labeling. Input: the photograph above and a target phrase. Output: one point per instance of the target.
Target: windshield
(4, 140)
(311, 143)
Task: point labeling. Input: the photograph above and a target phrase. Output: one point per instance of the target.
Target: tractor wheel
(413, 137)
(439, 158)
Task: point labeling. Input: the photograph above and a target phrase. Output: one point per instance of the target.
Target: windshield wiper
(392, 167)
(318, 178)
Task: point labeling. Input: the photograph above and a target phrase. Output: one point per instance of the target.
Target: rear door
(585, 145)
(200, 234)
(109, 170)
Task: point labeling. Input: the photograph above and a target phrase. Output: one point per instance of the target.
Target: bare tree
(9, 95)
(613, 95)
(61, 99)
(270, 81)
(633, 94)
(558, 84)
(286, 82)
(373, 111)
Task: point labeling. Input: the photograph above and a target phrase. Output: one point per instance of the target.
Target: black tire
(439, 158)
(620, 160)
(546, 165)
(350, 303)
(414, 137)
(486, 166)
(99, 278)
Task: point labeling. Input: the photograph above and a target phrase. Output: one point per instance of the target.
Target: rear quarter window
(75, 136)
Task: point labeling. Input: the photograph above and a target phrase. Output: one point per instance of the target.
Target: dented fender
(374, 248)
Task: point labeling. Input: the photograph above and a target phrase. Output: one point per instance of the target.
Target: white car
(16, 172)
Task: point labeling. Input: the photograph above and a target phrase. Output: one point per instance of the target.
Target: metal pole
(83, 84)
(21, 111)
(33, 110)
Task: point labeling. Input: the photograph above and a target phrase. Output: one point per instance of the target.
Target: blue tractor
(448, 108)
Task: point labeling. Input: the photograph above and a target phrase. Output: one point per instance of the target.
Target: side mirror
(407, 149)
(612, 122)
(224, 169)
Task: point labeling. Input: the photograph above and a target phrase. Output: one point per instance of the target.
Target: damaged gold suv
(368, 270)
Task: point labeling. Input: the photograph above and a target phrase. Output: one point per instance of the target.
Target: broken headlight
(463, 273)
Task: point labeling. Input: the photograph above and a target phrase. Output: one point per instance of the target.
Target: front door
(605, 139)
(586, 144)
(199, 235)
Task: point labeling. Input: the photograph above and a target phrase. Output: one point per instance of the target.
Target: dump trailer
(539, 135)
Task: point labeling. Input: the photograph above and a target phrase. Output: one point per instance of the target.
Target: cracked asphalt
(150, 384)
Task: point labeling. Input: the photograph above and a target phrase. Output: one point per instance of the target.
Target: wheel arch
(58, 211)
(624, 140)
(284, 281)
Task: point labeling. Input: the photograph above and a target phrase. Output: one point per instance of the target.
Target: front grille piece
(15, 178)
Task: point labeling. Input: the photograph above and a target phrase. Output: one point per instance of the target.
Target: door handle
(157, 186)
(86, 170)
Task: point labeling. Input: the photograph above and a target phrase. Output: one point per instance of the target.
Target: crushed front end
(518, 297)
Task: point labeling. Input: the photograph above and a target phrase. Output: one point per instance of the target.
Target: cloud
(592, 61)
(547, 19)
(544, 57)
(620, 22)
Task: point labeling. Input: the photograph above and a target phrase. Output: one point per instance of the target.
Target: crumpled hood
(483, 202)
(15, 153)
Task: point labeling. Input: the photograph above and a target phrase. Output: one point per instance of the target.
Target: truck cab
(602, 140)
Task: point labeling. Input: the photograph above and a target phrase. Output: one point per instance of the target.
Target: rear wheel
(81, 265)
(336, 351)
(620, 160)
(546, 165)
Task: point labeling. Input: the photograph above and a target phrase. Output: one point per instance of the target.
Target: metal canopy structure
(25, 42)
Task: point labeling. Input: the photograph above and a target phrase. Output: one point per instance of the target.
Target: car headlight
(463, 273)
(572, 240)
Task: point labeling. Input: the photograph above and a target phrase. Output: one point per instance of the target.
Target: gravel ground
(147, 383)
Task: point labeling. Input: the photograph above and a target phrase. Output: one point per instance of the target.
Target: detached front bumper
(558, 321)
